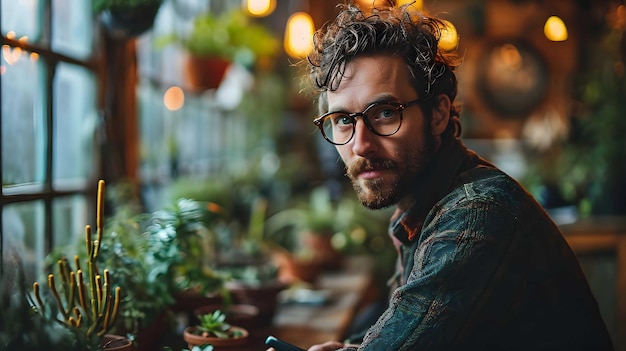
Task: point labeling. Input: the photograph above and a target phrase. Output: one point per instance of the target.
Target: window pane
(23, 121)
(70, 219)
(157, 142)
(23, 235)
(75, 120)
(72, 29)
(22, 17)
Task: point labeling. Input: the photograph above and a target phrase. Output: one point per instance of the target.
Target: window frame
(46, 191)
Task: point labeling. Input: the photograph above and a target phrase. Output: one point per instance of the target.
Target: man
(481, 266)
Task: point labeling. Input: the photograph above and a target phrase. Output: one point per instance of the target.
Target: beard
(408, 164)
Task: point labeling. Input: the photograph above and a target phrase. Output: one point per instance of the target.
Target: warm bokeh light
(621, 17)
(11, 35)
(371, 3)
(299, 34)
(11, 55)
(418, 4)
(34, 57)
(510, 56)
(260, 8)
(449, 37)
(555, 29)
(174, 98)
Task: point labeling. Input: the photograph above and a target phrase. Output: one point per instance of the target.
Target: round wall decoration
(512, 78)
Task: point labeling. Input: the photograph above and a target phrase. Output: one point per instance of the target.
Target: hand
(327, 346)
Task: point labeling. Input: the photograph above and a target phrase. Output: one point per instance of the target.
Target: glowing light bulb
(260, 8)
(555, 29)
(299, 34)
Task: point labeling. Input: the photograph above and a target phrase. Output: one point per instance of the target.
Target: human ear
(441, 115)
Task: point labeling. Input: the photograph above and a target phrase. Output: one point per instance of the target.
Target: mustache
(363, 165)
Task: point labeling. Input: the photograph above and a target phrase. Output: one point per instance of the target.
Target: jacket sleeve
(452, 265)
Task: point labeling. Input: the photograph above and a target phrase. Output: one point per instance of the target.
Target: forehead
(369, 78)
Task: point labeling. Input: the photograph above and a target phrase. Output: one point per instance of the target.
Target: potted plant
(144, 310)
(182, 254)
(123, 19)
(304, 233)
(20, 327)
(214, 330)
(251, 277)
(163, 261)
(84, 297)
(243, 315)
(125, 248)
(218, 40)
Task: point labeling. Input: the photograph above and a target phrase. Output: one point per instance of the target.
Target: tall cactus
(94, 305)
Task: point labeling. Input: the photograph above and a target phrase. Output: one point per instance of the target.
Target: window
(49, 120)
(223, 134)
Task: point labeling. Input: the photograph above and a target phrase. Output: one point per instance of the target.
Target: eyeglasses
(382, 118)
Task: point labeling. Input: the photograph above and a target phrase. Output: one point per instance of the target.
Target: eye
(384, 112)
(341, 120)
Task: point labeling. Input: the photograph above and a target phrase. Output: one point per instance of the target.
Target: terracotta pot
(149, 337)
(204, 73)
(189, 300)
(243, 315)
(325, 254)
(263, 296)
(218, 343)
(292, 269)
(112, 342)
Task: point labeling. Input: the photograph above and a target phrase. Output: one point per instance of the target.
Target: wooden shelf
(604, 235)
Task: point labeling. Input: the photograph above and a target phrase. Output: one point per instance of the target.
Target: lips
(371, 173)
(369, 169)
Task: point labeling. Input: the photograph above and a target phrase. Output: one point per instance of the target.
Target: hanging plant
(126, 19)
(218, 40)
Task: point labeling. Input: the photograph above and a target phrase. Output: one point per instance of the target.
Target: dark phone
(280, 345)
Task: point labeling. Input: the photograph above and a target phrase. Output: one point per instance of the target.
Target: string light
(260, 8)
(555, 29)
(299, 34)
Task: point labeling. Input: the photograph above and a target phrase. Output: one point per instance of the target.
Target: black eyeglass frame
(319, 122)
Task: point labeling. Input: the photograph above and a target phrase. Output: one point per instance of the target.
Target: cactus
(92, 305)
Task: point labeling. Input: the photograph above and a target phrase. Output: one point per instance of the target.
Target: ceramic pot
(112, 342)
(263, 296)
(190, 300)
(219, 344)
(128, 24)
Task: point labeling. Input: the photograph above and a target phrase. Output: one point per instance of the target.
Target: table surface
(306, 324)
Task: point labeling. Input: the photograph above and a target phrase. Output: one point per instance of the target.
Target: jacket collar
(430, 187)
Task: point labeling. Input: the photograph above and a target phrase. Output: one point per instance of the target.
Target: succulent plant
(86, 300)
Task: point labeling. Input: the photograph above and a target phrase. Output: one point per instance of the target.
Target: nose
(364, 140)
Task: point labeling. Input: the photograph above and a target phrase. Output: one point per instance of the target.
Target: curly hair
(400, 31)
